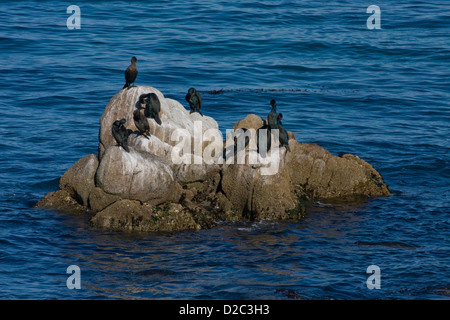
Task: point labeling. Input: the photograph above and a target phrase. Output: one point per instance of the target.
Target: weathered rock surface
(151, 189)
(99, 199)
(138, 176)
(129, 215)
(78, 181)
(251, 121)
(322, 175)
(62, 201)
(258, 196)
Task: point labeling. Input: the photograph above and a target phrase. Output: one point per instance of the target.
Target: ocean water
(382, 94)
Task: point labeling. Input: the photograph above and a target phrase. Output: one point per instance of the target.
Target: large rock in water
(151, 189)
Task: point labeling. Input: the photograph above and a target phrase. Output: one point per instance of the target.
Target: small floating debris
(215, 91)
(289, 293)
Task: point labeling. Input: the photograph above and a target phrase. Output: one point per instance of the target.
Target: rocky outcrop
(319, 174)
(177, 179)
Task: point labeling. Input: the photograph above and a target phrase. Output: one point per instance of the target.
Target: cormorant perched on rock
(152, 107)
(283, 135)
(272, 118)
(120, 133)
(141, 123)
(195, 100)
(131, 73)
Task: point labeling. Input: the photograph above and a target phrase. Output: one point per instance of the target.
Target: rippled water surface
(380, 94)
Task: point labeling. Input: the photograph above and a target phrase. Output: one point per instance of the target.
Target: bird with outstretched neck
(272, 118)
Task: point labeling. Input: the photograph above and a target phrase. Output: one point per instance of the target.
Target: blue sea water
(381, 94)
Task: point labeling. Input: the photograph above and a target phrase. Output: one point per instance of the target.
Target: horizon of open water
(380, 94)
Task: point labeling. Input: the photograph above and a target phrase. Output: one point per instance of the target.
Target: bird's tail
(157, 119)
(126, 85)
(200, 113)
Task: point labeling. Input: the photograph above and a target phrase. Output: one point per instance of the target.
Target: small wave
(260, 226)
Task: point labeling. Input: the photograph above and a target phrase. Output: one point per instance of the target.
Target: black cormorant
(141, 123)
(152, 106)
(131, 73)
(272, 118)
(283, 135)
(195, 100)
(120, 133)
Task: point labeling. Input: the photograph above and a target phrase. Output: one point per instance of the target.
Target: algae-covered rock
(62, 201)
(130, 215)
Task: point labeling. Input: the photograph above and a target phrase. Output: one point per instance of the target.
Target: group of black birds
(151, 106)
(149, 102)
